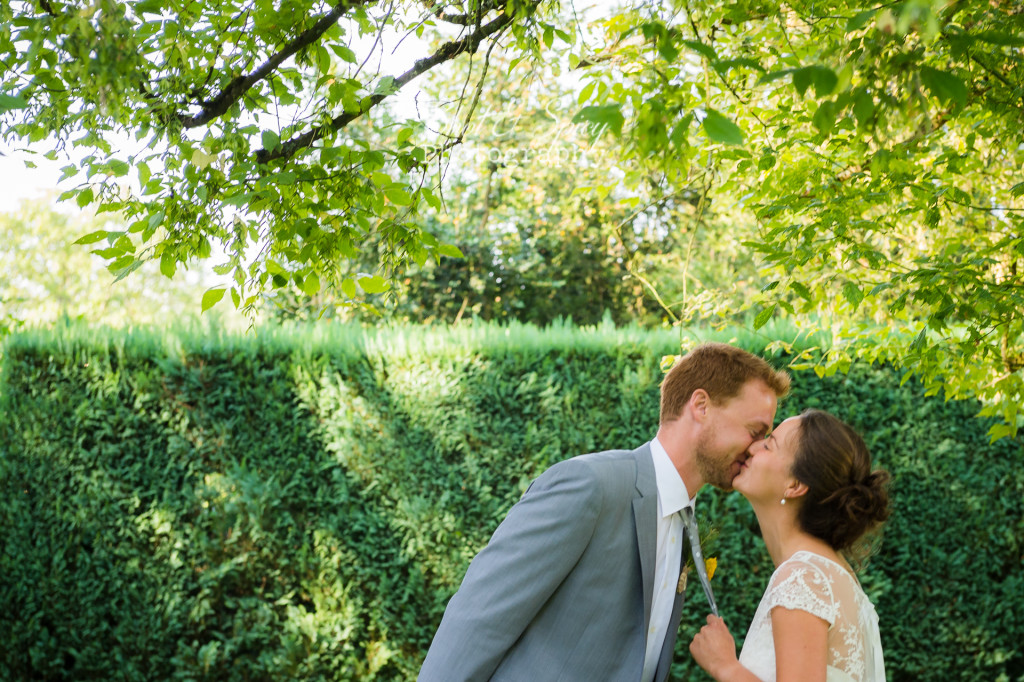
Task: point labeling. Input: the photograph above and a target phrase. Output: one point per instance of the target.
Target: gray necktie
(698, 557)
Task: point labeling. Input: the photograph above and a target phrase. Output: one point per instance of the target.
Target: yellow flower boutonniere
(708, 536)
(709, 564)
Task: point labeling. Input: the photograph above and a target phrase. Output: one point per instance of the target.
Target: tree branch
(220, 104)
(445, 53)
(461, 19)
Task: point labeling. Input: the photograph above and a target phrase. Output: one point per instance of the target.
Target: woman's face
(767, 473)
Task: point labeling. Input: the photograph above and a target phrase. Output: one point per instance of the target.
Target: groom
(579, 582)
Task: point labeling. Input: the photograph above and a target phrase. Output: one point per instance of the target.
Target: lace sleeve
(801, 586)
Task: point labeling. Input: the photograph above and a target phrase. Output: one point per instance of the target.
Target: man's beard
(715, 467)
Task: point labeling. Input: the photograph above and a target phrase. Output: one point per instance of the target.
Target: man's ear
(699, 403)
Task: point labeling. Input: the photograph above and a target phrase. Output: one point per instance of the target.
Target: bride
(815, 496)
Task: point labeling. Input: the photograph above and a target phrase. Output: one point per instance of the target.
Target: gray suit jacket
(563, 589)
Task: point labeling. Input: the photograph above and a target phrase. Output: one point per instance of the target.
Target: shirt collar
(672, 494)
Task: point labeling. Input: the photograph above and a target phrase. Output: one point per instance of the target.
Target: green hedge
(301, 505)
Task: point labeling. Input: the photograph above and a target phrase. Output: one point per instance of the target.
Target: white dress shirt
(672, 497)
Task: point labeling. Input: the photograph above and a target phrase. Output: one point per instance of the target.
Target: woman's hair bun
(865, 503)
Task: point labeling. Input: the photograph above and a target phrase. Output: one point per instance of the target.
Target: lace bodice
(812, 583)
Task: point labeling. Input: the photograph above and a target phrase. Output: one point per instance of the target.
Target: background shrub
(301, 505)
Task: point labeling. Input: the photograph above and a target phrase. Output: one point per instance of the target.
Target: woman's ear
(796, 489)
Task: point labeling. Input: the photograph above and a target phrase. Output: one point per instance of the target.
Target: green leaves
(212, 297)
(168, 264)
(398, 195)
(449, 250)
(307, 447)
(886, 179)
(11, 102)
(201, 159)
(701, 48)
(93, 237)
(761, 319)
(944, 86)
(270, 139)
(860, 20)
(801, 290)
(84, 197)
(1000, 37)
(881, 150)
(822, 78)
(373, 284)
(602, 117)
(309, 283)
(824, 118)
(853, 294)
(720, 129)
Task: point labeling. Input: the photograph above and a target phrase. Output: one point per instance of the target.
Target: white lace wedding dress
(810, 582)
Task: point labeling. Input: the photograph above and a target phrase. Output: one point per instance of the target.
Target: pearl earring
(783, 501)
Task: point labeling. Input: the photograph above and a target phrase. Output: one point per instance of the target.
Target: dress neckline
(848, 572)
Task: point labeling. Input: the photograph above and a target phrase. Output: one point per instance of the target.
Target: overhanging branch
(445, 53)
(220, 104)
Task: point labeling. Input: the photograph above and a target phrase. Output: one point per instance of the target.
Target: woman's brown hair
(845, 498)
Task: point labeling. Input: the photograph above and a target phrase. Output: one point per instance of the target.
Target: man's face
(730, 430)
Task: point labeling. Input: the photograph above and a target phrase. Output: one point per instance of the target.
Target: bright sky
(18, 182)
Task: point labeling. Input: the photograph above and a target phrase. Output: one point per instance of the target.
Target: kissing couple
(581, 581)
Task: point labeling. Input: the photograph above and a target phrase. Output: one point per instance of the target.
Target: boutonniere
(710, 564)
(707, 541)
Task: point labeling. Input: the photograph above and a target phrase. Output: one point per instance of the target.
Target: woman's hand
(714, 649)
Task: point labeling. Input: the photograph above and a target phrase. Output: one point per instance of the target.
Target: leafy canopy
(878, 153)
(224, 128)
(873, 152)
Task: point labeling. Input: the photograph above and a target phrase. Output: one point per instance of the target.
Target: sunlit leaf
(212, 297)
(270, 139)
(168, 264)
(373, 284)
(762, 317)
(720, 129)
(9, 102)
(93, 237)
(311, 284)
(608, 116)
(450, 250)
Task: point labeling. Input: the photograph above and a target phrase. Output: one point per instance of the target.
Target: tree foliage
(545, 233)
(224, 128)
(877, 150)
(868, 156)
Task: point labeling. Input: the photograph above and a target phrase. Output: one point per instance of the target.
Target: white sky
(18, 182)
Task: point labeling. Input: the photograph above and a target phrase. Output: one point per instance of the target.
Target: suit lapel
(645, 513)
